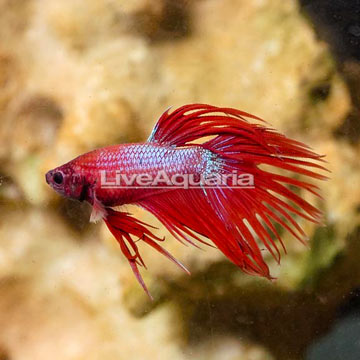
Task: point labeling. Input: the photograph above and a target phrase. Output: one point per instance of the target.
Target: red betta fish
(199, 174)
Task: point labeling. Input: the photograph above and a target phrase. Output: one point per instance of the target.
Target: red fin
(237, 220)
(123, 227)
(187, 213)
(194, 121)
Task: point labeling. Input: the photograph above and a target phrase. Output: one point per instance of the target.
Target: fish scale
(130, 159)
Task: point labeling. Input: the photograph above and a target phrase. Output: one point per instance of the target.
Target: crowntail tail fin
(238, 220)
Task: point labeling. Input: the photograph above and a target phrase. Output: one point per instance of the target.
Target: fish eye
(58, 178)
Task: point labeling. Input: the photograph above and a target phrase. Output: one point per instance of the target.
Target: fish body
(184, 175)
(132, 160)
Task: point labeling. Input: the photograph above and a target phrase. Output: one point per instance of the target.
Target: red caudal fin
(240, 220)
(127, 231)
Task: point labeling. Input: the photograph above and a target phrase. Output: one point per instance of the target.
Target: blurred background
(75, 75)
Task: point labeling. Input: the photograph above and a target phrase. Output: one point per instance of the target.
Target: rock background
(75, 75)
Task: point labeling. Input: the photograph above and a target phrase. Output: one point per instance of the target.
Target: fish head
(66, 181)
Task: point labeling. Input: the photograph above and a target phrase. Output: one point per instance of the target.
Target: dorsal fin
(195, 121)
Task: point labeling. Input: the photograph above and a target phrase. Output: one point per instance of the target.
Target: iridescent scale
(130, 159)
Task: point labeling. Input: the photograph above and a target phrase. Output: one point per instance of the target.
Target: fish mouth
(48, 176)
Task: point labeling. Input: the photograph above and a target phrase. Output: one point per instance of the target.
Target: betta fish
(209, 175)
